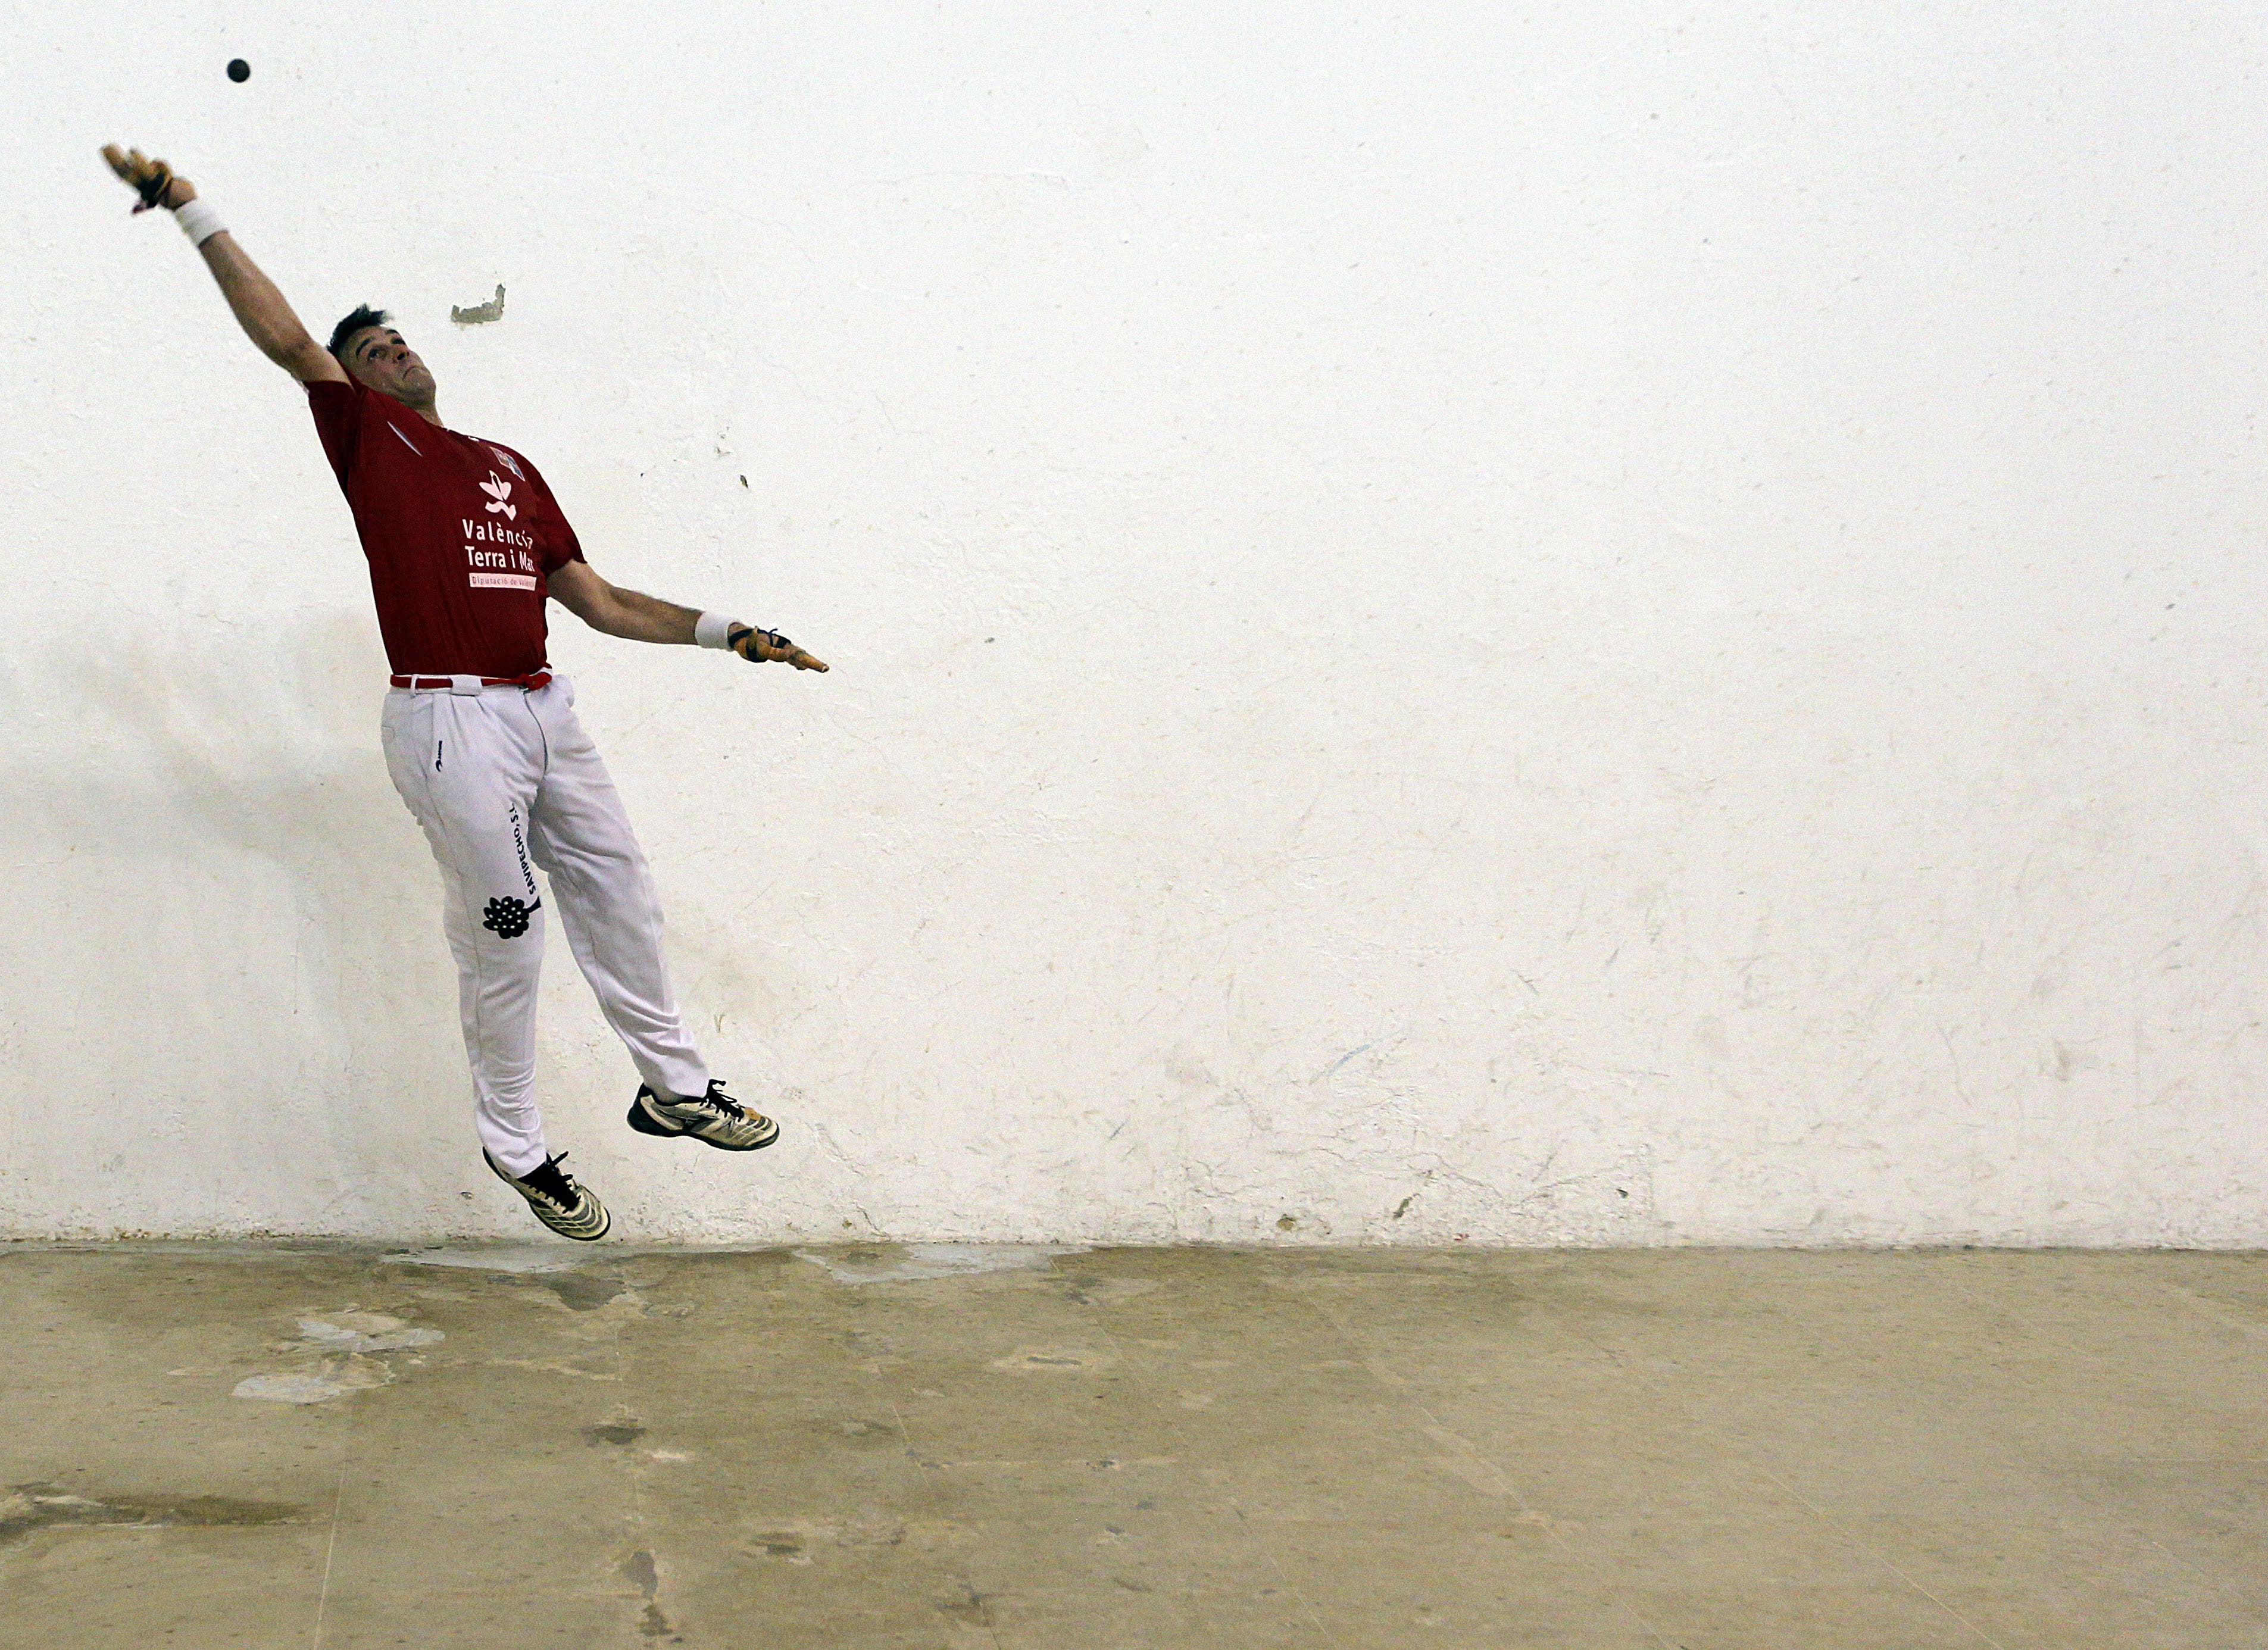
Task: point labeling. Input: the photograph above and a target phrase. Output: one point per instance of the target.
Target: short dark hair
(363, 316)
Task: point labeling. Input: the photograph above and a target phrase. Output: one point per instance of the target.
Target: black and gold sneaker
(715, 1119)
(569, 1210)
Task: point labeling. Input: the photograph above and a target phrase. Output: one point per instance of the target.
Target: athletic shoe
(572, 1211)
(715, 1119)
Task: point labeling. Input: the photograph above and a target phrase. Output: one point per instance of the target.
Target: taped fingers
(757, 645)
(149, 178)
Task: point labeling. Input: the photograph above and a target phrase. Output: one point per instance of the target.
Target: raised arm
(259, 309)
(639, 617)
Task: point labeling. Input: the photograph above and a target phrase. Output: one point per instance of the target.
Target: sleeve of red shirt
(561, 545)
(337, 409)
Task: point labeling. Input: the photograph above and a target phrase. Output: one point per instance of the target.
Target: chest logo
(509, 462)
(499, 491)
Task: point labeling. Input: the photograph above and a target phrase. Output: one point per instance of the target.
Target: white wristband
(713, 629)
(198, 221)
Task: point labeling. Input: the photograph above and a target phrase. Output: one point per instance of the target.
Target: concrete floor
(965, 1450)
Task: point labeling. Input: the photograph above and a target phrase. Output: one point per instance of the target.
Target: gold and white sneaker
(569, 1210)
(715, 1119)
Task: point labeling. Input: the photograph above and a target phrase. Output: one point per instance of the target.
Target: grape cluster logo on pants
(510, 916)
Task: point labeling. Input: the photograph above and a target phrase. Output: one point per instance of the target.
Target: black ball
(239, 71)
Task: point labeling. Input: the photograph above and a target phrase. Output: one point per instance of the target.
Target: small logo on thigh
(510, 916)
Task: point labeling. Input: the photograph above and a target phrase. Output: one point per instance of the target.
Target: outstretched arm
(261, 310)
(639, 617)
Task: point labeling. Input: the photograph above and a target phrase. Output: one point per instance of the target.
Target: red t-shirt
(462, 535)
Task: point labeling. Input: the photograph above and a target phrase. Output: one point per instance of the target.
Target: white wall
(1624, 623)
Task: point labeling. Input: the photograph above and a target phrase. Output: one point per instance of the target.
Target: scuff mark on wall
(1341, 1061)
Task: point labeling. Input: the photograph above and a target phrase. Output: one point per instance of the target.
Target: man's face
(377, 356)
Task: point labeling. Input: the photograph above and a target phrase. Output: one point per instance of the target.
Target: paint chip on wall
(473, 316)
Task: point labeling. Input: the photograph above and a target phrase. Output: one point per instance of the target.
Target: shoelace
(725, 1103)
(566, 1179)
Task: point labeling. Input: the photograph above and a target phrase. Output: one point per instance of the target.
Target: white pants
(500, 778)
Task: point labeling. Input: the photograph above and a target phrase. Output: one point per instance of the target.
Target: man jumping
(464, 543)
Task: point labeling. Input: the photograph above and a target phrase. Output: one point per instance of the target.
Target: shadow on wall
(275, 755)
(217, 887)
